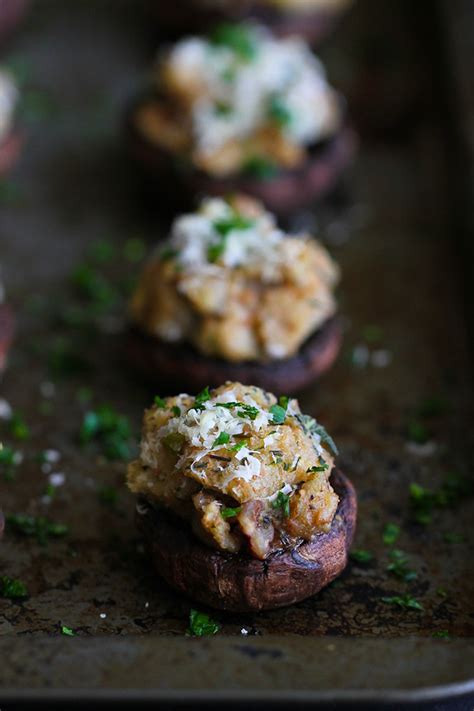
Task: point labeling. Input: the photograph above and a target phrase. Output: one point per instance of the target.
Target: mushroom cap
(238, 582)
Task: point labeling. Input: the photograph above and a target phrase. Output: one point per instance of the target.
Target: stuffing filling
(240, 101)
(235, 286)
(248, 472)
(8, 102)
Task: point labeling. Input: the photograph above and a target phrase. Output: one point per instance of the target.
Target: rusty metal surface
(400, 273)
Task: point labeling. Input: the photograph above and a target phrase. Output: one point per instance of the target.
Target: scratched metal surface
(390, 233)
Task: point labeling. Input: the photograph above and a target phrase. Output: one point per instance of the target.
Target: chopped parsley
(12, 588)
(282, 501)
(201, 624)
(236, 37)
(406, 602)
(18, 427)
(8, 461)
(390, 533)
(417, 432)
(160, 402)
(222, 108)
(322, 467)
(248, 411)
(201, 398)
(223, 438)
(110, 429)
(361, 556)
(235, 222)
(67, 631)
(38, 527)
(229, 512)
(260, 168)
(311, 427)
(278, 111)
(441, 634)
(94, 288)
(399, 566)
(278, 413)
(176, 410)
(238, 446)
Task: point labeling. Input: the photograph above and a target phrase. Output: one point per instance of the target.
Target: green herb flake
(361, 556)
(221, 108)
(12, 588)
(260, 168)
(168, 253)
(176, 411)
(238, 446)
(111, 430)
(8, 461)
(406, 602)
(230, 512)
(18, 427)
(160, 402)
(399, 566)
(39, 527)
(322, 467)
(236, 37)
(312, 428)
(282, 501)
(201, 398)
(390, 534)
(278, 111)
(223, 438)
(278, 413)
(67, 631)
(417, 432)
(248, 411)
(441, 634)
(201, 624)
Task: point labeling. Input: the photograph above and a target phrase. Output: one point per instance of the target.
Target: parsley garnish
(417, 432)
(12, 588)
(406, 602)
(223, 438)
(238, 446)
(323, 466)
(67, 631)
(248, 411)
(39, 527)
(390, 533)
(278, 111)
(221, 108)
(8, 461)
(441, 634)
(311, 427)
(176, 410)
(260, 168)
(18, 427)
(236, 37)
(361, 556)
(399, 566)
(201, 624)
(110, 429)
(282, 502)
(168, 253)
(201, 398)
(230, 512)
(235, 222)
(160, 402)
(279, 414)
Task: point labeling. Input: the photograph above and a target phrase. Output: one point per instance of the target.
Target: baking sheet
(405, 346)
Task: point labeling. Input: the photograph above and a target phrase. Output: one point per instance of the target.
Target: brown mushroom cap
(6, 332)
(287, 191)
(9, 151)
(238, 582)
(165, 364)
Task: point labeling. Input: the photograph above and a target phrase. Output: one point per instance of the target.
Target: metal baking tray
(404, 373)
